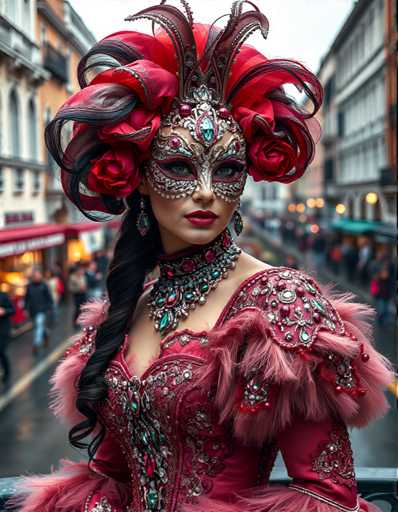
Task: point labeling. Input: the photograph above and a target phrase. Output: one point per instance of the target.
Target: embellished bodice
(177, 444)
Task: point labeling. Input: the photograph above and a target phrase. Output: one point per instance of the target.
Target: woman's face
(194, 188)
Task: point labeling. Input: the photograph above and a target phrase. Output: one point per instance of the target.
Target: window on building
(43, 34)
(19, 181)
(36, 182)
(26, 18)
(14, 124)
(340, 124)
(11, 10)
(33, 153)
(1, 180)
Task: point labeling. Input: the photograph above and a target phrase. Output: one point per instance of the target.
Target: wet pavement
(33, 441)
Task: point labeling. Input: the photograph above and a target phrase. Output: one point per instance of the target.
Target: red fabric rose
(114, 173)
(139, 128)
(270, 159)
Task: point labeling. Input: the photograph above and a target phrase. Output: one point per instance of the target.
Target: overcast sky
(299, 29)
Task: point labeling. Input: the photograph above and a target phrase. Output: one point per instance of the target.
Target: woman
(185, 390)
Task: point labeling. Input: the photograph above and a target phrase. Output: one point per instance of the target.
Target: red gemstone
(339, 389)
(267, 405)
(210, 255)
(169, 272)
(285, 310)
(171, 298)
(185, 110)
(188, 266)
(300, 291)
(365, 357)
(317, 317)
(224, 113)
(361, 392)
(175, 142)
(226, 240)
(237, 145)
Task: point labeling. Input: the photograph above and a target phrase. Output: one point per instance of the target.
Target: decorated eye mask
(198, 146)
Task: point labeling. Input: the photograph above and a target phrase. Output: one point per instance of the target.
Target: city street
(32, 440)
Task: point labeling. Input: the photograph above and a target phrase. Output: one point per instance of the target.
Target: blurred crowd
(352, 260)
(44, 294)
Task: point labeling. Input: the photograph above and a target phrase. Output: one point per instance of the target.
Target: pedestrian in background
(38, 303)
(382, 289)
(55, 286)
(6, 312)
(78, 287)
(94, 281)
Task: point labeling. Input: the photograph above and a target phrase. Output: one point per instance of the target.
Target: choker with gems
(187, 277)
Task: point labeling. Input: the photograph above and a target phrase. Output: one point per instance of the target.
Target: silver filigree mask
(198, 145)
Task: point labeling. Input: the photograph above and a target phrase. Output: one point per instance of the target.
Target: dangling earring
(237, 221)
(143, 222)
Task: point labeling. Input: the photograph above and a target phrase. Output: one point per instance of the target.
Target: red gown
(287, 367)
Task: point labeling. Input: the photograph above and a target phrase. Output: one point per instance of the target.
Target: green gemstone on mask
(160, 301)
(134, 407)
(204, 287)
(188, 296)
(207, 129)
(215, 274)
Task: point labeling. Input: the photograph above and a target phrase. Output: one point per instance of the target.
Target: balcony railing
(56, 63)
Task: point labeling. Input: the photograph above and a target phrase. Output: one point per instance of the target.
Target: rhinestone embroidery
(102, 506)
(335, 459)
(293, 305)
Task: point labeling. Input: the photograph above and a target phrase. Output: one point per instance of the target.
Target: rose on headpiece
(271, 158)
(115, 172)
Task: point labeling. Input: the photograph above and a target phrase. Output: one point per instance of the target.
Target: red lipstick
(201, 217)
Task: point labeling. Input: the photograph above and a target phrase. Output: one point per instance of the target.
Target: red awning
(80, 227)
(15, 241)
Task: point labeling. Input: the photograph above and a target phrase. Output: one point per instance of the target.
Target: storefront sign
(34, 244)
(18, 218)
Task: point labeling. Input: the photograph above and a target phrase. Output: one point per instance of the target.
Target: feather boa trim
(301, 382)
(67, 490)
(277, 498)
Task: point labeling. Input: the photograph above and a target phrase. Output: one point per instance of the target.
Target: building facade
(22, 168)
(63, 39)
(361, 113)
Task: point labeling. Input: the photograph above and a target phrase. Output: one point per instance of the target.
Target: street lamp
(371, 198)
(340, 208)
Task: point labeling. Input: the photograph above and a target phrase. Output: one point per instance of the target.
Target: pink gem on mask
(185, 110)
(224, 113)
(175, 142)
(237, 145)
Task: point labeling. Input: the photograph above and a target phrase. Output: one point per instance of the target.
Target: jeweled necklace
(187, 277)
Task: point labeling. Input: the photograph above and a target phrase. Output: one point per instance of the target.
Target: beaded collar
(187, 277)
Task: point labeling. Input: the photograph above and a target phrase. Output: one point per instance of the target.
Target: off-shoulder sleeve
(77, 486)
(293, 349)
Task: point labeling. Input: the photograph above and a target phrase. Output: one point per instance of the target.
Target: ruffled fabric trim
(277, 498)
(297, 382)
(67, 490)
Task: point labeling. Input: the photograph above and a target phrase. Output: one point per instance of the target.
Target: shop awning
(15, 241)
(361, 227)
(73, 230)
